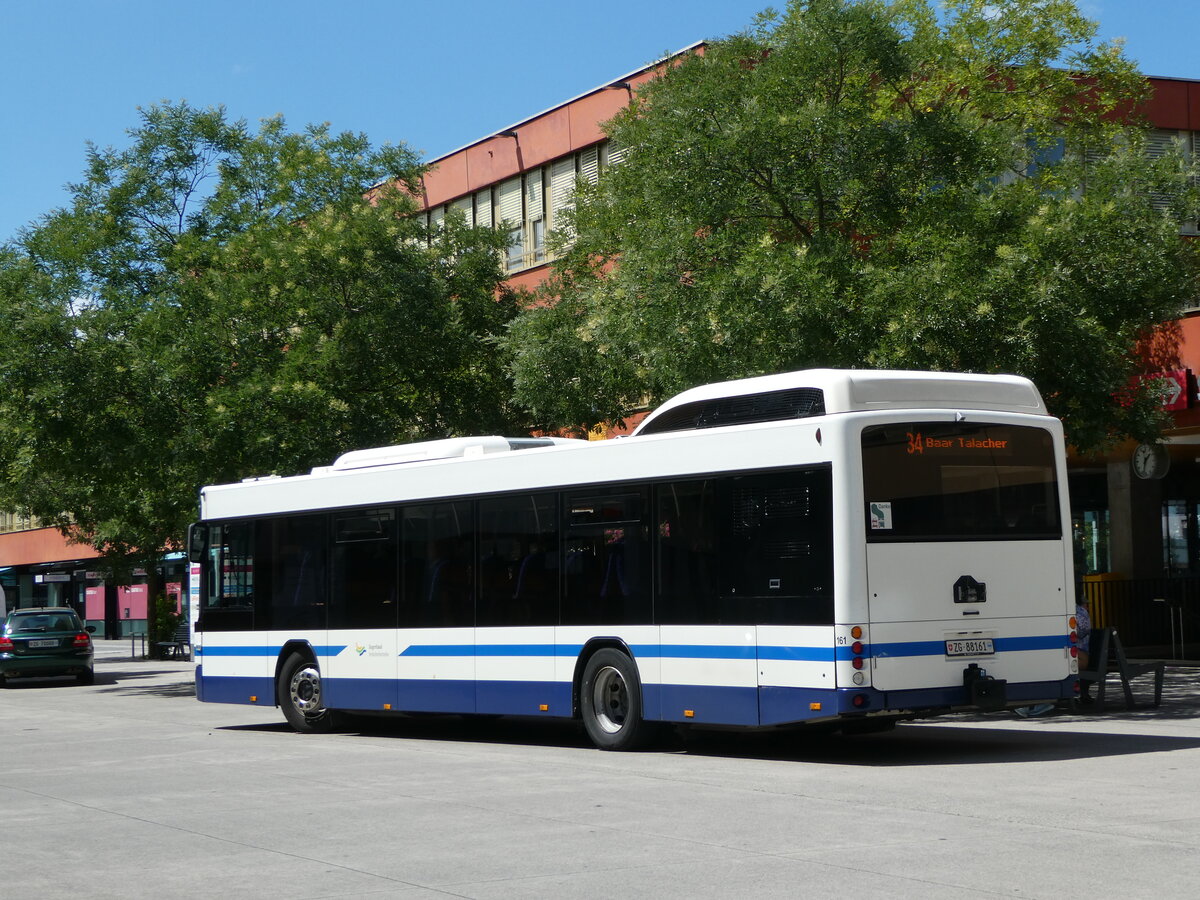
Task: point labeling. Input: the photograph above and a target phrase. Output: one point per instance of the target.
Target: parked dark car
(45, 641)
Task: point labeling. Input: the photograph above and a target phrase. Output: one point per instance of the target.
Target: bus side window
(229, 578)
(211, 579)
(778, 569)
(437, 546)
(365, 570)
(518, 560)
(298, 568)
(686, 531)
(607, 561)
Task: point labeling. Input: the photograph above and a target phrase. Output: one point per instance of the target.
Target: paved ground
(130, 788)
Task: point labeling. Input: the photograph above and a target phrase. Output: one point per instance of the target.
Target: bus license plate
(970, 647)
(45, 643)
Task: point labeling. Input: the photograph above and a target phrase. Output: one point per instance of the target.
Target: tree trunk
(154, 588)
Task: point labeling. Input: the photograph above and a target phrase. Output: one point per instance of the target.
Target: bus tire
(299, 696)
(611, 702)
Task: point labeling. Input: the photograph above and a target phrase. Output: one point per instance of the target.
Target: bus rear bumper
(957, 698)
(782, 706)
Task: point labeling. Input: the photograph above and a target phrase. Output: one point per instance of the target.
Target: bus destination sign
(919, 443)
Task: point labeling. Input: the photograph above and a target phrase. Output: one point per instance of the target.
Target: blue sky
(435, 74)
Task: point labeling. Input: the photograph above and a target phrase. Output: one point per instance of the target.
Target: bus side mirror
(197, 542)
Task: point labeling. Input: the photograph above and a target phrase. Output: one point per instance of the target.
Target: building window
(483, 208)
(563, 173)
(1159, 143)
(1090, 528)
(1180, 536)
(535, 217)
(10, 521)
(463, 206)
(509, 216)
(531, 205)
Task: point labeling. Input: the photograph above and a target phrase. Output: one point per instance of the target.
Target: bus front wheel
(611, 701)
(299, 695)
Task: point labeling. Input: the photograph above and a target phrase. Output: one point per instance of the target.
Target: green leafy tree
(873, 184)
(216, 303)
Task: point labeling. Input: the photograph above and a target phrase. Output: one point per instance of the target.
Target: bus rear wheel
(299, 696)
(611, 702)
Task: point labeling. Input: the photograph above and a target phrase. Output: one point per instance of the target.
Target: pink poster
(93, 604)
(132, 601)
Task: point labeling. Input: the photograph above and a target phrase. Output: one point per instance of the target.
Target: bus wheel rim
(305, 690)
(610, 700)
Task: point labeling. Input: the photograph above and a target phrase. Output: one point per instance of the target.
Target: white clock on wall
(1151, 461)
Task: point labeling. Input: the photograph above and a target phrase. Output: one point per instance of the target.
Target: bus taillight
(858, 658)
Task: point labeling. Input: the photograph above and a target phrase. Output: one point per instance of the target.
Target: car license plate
(44, 643)
(970, 647)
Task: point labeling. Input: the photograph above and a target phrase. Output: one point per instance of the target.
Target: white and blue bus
(848, 548)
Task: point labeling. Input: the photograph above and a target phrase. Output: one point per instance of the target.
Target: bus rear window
(949, 481)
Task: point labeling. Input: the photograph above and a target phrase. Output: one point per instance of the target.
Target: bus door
(363, 602)
(517, 606)
(966, 560)
(436, 641)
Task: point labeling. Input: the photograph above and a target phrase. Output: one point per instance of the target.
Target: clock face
(1150, 461)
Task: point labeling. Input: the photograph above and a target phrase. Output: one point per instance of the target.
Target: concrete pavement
(130, 788)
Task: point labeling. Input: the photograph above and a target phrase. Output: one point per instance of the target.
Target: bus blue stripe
(938, 648)
(1040, 642)
(715, 651)
(650, 651)
(674, 651)
(491, 650)
(797, 654)
(263, 650)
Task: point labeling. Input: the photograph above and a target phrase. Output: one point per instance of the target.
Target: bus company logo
(916, 444)
(360, 649)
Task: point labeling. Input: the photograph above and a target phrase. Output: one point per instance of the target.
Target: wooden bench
(179, 647)
(1105, 651)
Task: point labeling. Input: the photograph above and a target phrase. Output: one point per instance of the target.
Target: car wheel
(87, 676)
(299, 695)
(611, 702)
